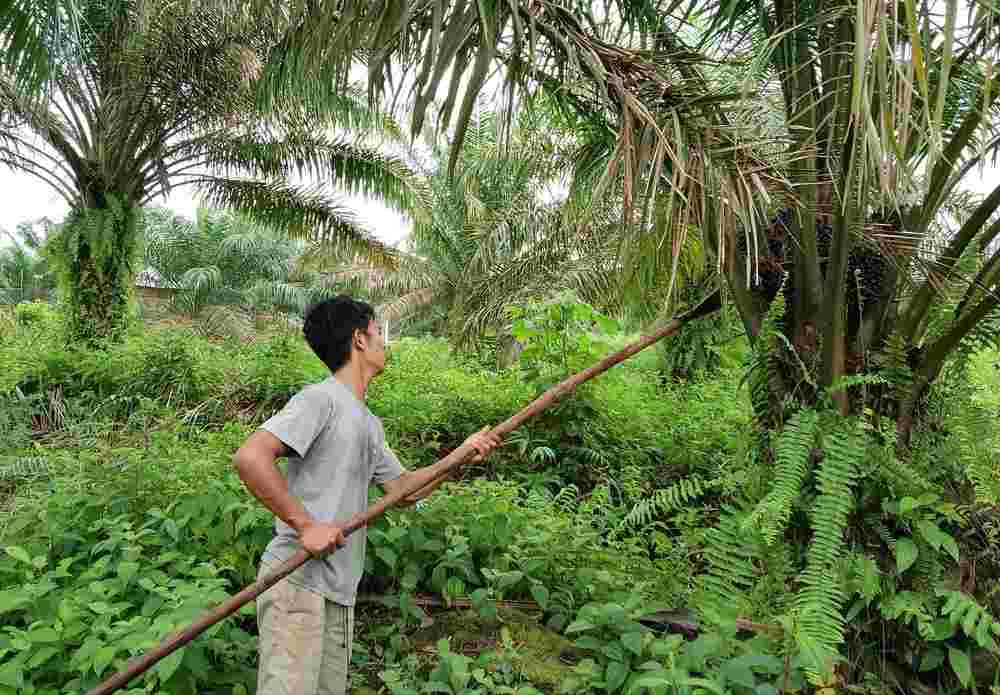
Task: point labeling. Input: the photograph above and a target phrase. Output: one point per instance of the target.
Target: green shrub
(107, 589)
(37, 314)
(493, 539)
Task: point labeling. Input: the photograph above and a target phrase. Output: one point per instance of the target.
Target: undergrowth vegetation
(633, 531)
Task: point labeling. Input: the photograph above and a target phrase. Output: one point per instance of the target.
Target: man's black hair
(329, 328)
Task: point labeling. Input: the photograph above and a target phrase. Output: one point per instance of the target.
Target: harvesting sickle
(416, 482)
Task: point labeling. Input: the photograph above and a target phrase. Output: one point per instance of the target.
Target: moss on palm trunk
(96, 251)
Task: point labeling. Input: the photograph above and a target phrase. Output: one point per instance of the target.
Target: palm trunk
(99, 252)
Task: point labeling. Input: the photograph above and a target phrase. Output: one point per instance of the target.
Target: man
(335, 449)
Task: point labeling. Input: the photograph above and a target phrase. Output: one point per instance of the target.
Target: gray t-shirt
(339, 449)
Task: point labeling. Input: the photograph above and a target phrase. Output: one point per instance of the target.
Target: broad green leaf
(650, 681)
(41, 656)
(615, 651)
(666, 645)
(387, 555)
(103, 657)
(478, 596)
(738, 673)
(961, 665)
(932, 534)
(540, 594)
(12, 600)
(18, 553)
(941, 629)
(127, 570)
(907, 504)
(906, 554)
(589, 642)
(760, 662)
(579, 626)
(615, 676)
(933, 658)
(703, 683)
(12, 675)
(950, 547)
(509, 579)
(607, 325)
(43, 635)
(633, 642)
(168, 665)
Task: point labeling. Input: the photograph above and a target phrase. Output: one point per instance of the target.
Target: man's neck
(354, 376)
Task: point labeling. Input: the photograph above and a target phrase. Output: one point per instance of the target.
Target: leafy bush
(37, 314)
(491, 540)
(107, 589)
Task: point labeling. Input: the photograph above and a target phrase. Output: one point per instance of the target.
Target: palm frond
(280, 295)
(202, 280)
(407, 304)
(31, 33)
(302, 213)
(354, 168)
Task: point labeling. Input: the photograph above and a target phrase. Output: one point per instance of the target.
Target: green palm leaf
(304, 213)
(352, 167)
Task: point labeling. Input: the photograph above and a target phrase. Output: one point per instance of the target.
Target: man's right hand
(320, 539)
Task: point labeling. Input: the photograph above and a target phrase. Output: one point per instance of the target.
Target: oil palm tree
(828, 225)
(502, 229)
(24, 267)
(153, 95)
(224, 259)
(882, 108)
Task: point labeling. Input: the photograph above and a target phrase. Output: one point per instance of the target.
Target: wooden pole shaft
(427, 475)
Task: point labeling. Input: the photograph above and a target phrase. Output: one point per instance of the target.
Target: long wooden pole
(426, 476)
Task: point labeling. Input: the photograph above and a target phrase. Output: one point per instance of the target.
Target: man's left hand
(484, 443)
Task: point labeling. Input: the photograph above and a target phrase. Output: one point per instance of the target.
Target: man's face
(373, 352)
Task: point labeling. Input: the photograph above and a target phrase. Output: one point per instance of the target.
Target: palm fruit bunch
(865, 263)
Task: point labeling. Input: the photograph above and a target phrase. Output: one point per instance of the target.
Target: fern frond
(731, 553)
(791, 466)
(822, 596)
(567, 498)
(678, 495)
(927, 570)
(897, 368)
(974, 437)
(847, 381)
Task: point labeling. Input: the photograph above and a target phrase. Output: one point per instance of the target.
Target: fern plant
(679, 495)
(731, 554)
(792, 453)
(821, 598)
(763, 375)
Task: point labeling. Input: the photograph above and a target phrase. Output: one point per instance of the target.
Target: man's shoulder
(316, 392)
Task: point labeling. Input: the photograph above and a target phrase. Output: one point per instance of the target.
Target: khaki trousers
(305, 641)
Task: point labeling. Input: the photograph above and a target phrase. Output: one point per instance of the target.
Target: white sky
(24, 198)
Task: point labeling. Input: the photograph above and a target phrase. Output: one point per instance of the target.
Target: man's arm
(255, 463)
(483, 442)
